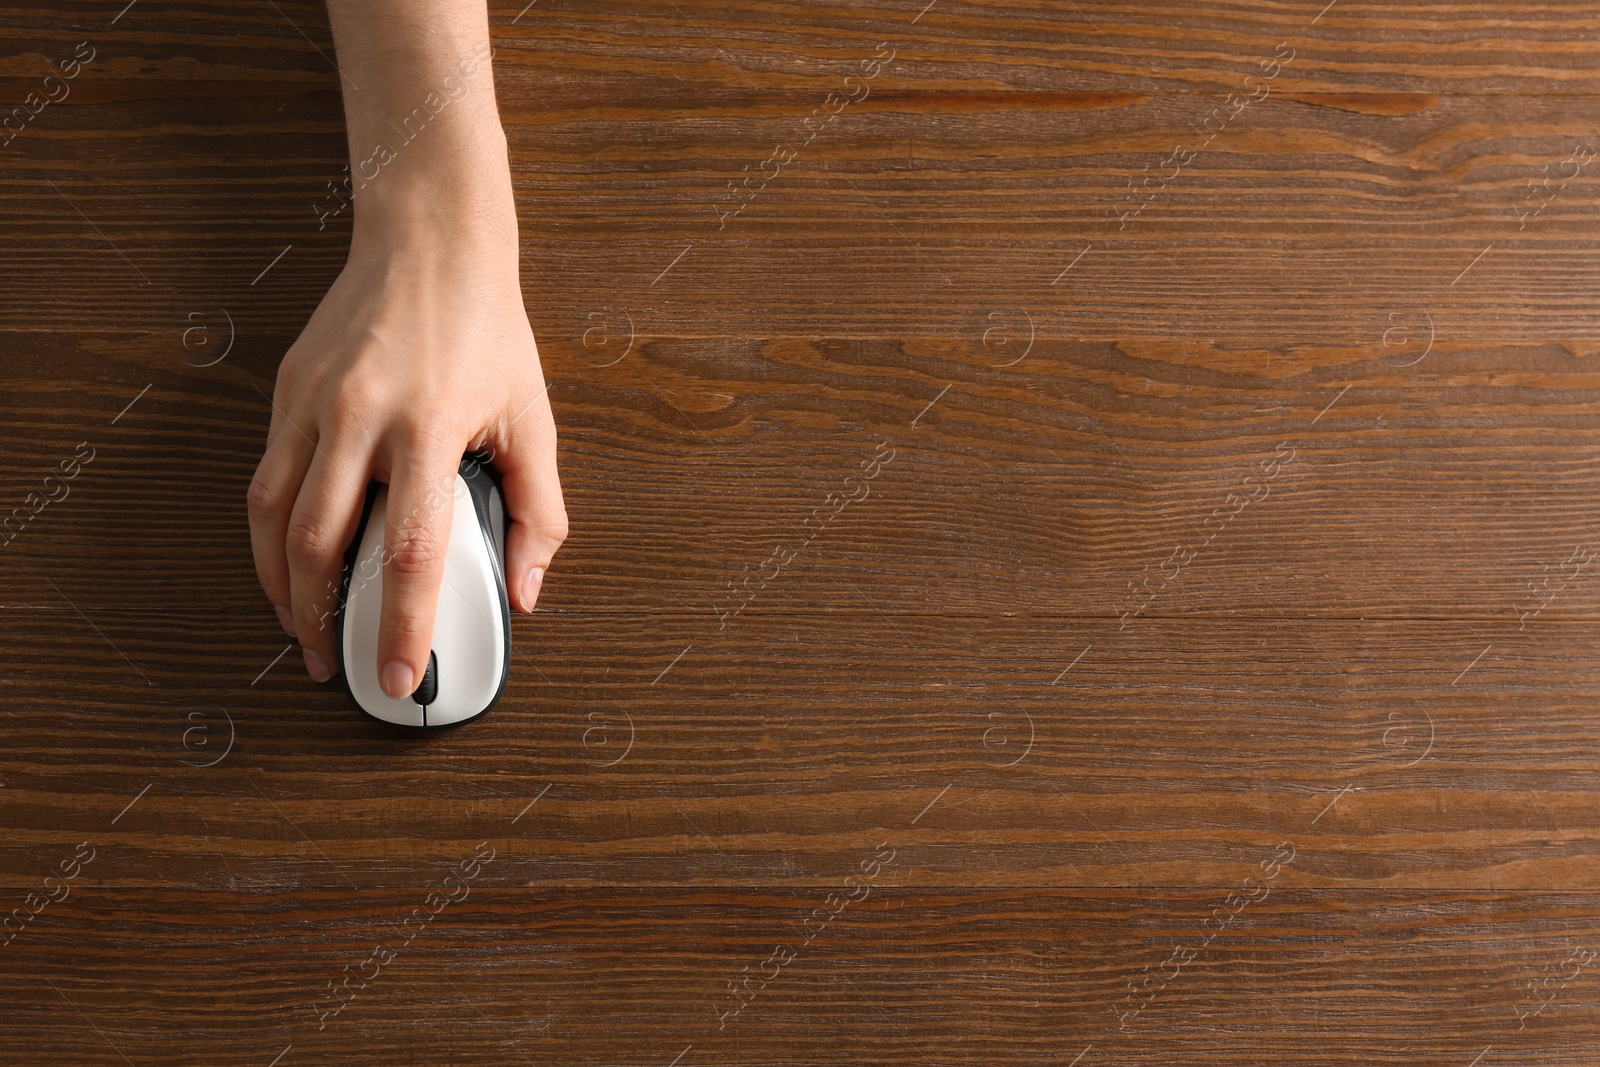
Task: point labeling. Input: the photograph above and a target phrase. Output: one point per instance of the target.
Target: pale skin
(420, 351)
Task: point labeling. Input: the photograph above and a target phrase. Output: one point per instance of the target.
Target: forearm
(427, 151)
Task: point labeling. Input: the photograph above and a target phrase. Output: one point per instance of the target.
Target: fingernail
(316, 666)
(285, 619)
(530, 587)
(398, 680)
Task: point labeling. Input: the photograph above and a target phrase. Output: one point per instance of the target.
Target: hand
(420, 351)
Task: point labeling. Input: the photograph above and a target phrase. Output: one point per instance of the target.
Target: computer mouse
(471, 652)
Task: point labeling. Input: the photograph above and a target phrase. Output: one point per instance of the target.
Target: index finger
(416, 538)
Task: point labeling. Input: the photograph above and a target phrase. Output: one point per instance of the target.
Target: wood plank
(615, 46)
(1017, 752)
(1060, 486)
(1301, 224)
(908, 975)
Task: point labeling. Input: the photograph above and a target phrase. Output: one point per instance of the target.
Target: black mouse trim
(480, 476)
(350, 554)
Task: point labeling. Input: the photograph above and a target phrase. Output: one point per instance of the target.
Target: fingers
(323, 522)
(525, 456)
(416, 537)
(271, 502)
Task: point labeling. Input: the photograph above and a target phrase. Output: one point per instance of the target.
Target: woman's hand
(420, 352)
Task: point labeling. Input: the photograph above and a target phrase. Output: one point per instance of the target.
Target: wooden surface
(1049, 693)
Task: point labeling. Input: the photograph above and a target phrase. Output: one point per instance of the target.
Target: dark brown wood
(1208, 677)
(515, 974)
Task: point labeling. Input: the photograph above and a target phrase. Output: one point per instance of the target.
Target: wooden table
(1084, 552)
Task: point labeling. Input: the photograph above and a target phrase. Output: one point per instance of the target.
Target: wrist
(448, 194)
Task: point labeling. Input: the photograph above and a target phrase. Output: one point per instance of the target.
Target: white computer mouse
(472, 629)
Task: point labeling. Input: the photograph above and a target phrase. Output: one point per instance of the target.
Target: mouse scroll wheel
(428, 691)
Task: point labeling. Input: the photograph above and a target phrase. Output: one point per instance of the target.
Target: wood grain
(514, 974)
(1232, 510)
(1301, 224)
(1058, 486)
